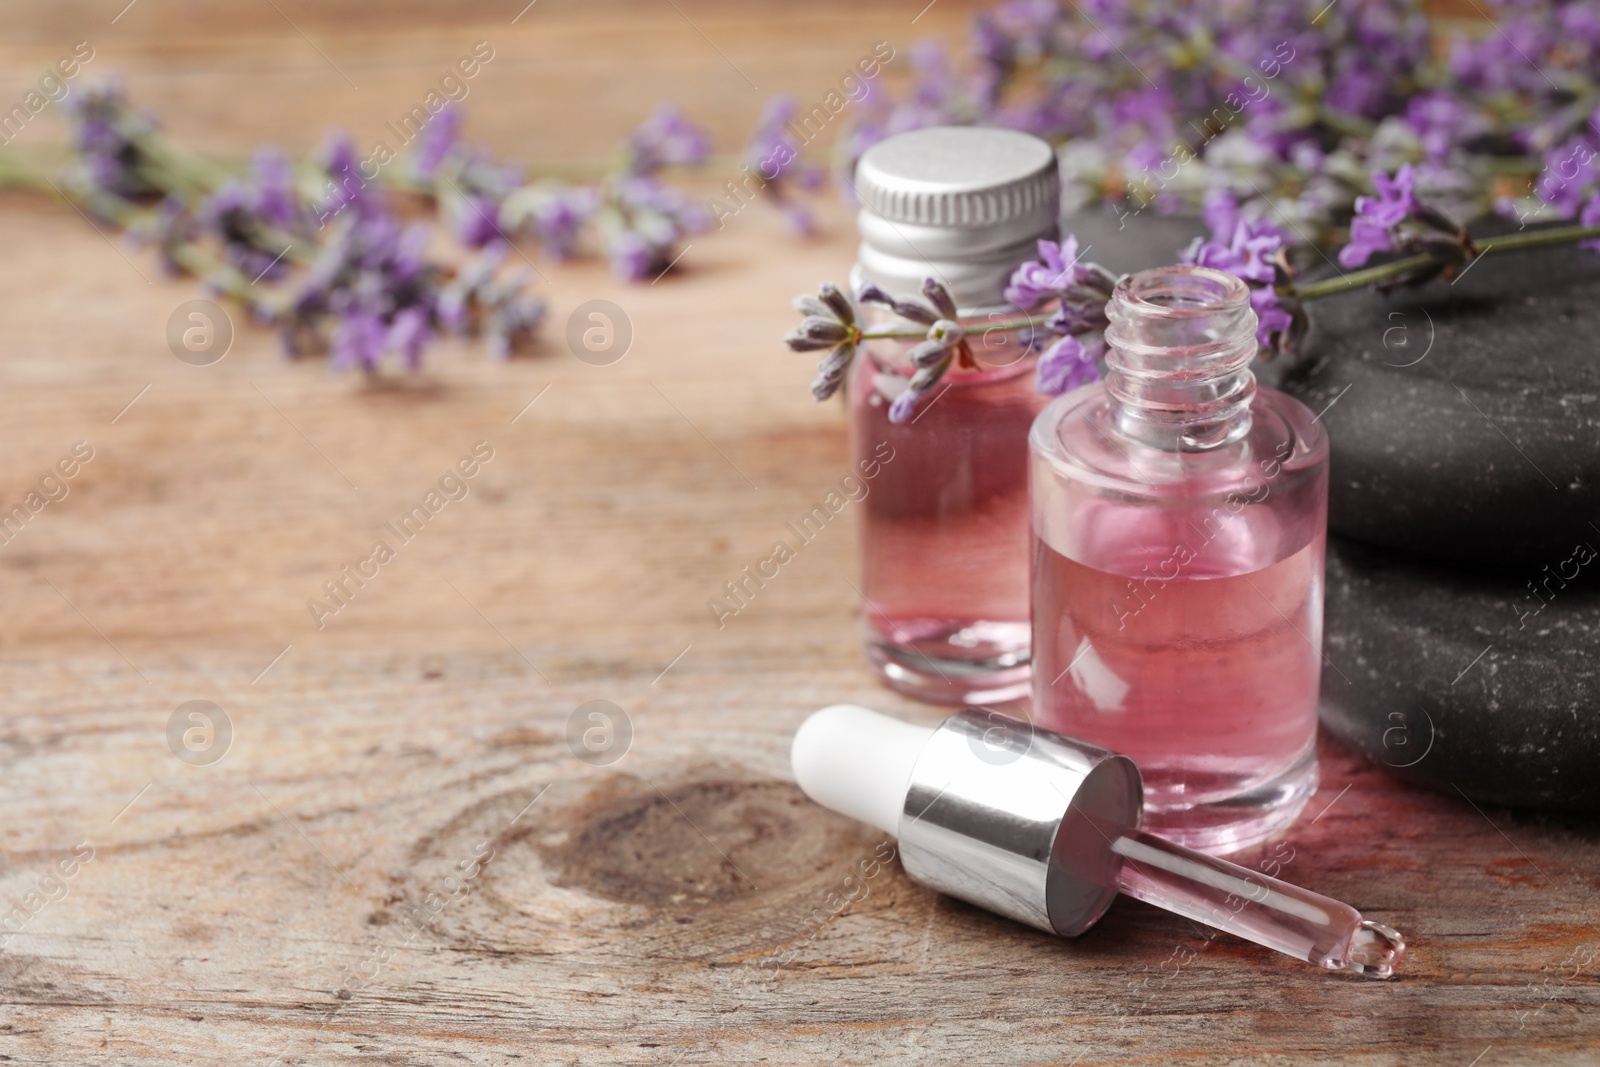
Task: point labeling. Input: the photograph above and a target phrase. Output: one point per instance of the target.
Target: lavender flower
(551, 213)
(1068, 363)
(437, 142)
(1376, 218)
(633, 258)
(642, 221)
(482, 300)
(1080, 292)
(109, 138)
(1057, 274)
(829, 323)
(1250, 250)
(170, 227)
(774, 157)
(1256, 252)
(1397, 220)
(344, 187)
(373, 280)
(1367, 238)
(904, 406)
(370, 292)
(1444, 122)
(472, 191)
(1569, 172)
(257, 218)
(1396, 199)
(666, 138)
(1261, 95)
(943, 346)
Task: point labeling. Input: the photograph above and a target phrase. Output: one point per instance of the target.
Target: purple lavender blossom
(1251, 250)
(437, 141)
(1443, 122)
(1357, 88)
(408, 333)
(551, 213)
(1367, 238)
(666, 138)
(774, 156)
(345, 188)
(1255, 251)
(1220, 211)
(107, 135)
(484, 301)
(1396, 200)
(169, 228)
(644, 219)
(903, 406)
(1050, 277)
(373, 280)
(1507, 59)
(633, 258)
(1273, 320)
(257, 218)
(1581, 22)
(474, 222)
(1372, 228)
(1068, 363)
(471, 190)
(358, 341)
(1569, 171)
(1080, 292)
(1152, 109)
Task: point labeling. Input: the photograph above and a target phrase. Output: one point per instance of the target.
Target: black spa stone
(1462, 680)
(1464, 418)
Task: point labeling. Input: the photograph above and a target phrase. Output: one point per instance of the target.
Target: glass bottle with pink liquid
(944, 530)
(1179, 517)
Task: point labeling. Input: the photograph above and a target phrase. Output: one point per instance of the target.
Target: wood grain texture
(294, 902)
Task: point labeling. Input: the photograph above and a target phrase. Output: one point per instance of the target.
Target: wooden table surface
(400, 859)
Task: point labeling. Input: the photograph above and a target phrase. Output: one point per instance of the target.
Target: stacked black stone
(1463, 616)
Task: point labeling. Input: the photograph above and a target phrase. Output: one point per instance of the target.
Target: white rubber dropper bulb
(858, 762)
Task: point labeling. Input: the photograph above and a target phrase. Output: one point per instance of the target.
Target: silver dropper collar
(1019, 820)
(962, 204)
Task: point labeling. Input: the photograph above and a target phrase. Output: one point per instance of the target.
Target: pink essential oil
(1178, 518)
(944, 532)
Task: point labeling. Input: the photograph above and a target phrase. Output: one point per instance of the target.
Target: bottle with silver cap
(944, 533)
(1179, 518)
(1045, 829)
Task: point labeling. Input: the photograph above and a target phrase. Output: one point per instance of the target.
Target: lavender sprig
(366, 291)
(1073, 296)
(831, 323)
(1381, 225)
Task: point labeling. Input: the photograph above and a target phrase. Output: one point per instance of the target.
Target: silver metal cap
(1019, 820)
(963, 204)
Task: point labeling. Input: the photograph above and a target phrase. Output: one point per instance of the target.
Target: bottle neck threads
(1178, 358)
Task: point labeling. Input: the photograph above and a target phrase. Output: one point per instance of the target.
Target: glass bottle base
(955, 663)
(1236, 821)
